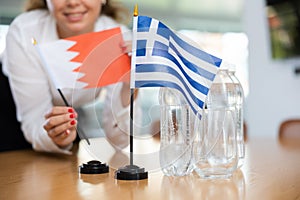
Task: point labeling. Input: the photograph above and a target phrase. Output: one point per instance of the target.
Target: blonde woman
(46, 122)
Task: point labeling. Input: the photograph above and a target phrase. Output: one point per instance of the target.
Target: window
(212, 15)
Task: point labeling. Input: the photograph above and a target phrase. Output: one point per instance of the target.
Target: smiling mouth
(74, 17)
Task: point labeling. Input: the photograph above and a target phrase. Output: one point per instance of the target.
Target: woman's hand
(126, 47)
(125, 94)
(61, 125)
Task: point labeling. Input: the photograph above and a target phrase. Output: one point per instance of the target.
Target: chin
(78, 28)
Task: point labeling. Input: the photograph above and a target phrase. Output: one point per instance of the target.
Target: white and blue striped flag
(162, 58)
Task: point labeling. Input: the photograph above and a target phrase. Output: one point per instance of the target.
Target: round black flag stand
(131, 172)
(93, 167)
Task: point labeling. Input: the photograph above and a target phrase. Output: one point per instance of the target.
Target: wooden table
(271, 171)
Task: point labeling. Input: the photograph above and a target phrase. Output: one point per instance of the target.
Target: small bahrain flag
(86, 61)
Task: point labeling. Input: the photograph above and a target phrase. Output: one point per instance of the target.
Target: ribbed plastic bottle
(215, 153)
(239, 113)
(175, 141)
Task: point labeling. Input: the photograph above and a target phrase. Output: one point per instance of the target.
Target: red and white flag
(86, 61)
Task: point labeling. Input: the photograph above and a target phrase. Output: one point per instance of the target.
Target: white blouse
(34, 93)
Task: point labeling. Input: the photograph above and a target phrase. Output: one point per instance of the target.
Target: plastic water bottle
(175, 141)
(239, 95)
(215, 153)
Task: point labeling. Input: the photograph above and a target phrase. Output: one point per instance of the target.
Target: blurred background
(241, 32)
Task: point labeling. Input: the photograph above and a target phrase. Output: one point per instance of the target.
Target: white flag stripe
(63, 73)
(148, 58)
(193, 59)
(196, 77)
(152, 37)
(167, 66)
(159, 76)
(209, 67)
(47, 68)
(165, 61)
(65, 44)
(150, 45)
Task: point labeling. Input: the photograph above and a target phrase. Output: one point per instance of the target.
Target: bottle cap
(227, 66)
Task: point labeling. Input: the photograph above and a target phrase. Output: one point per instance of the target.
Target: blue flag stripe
(140, 84)
(165, 59)
(165, 54)
(157, 60)
(197, 73)
(212, 69)
(148, 68)
(165, 32)
(196, 69)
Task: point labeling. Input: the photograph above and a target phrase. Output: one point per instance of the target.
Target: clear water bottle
(215, 153)
(175, 135)
(239, 114)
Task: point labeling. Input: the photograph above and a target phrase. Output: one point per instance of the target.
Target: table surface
(271, 171)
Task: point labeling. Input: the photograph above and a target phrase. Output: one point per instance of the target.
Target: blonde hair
(114, 9)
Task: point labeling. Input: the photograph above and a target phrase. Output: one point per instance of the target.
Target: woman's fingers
(56, 120)
(65, 138)
(59, 128)
(58, 110)
(61, 125)
(126, 47)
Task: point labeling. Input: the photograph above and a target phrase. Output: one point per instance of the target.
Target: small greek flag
(163, 58)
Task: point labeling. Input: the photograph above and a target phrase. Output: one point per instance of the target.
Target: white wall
(274, 88)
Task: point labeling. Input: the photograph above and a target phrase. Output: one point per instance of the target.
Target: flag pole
(34, 42)
(132, 90)
(131, 171)
(132, 93)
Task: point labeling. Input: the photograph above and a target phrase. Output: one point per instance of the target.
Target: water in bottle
(239, 95)
(175, 145)
(215, 153)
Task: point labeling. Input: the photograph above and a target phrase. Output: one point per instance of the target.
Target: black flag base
(93, 167)
(131, 172)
